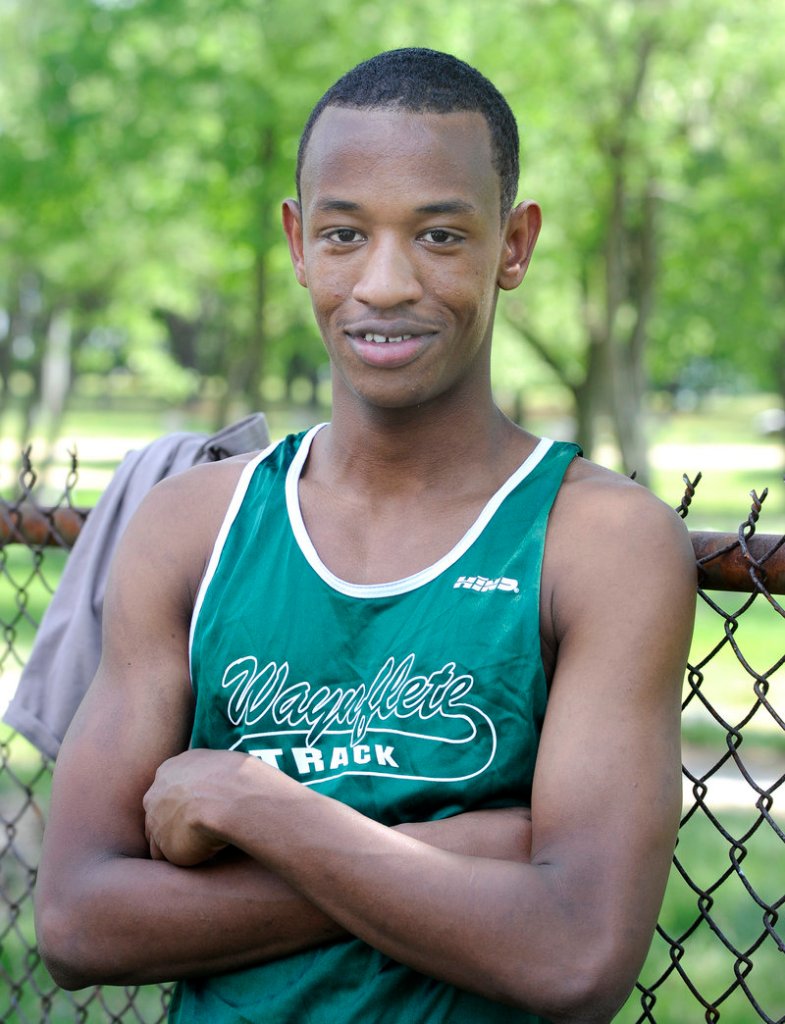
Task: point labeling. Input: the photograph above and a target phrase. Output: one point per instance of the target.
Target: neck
(398, 450)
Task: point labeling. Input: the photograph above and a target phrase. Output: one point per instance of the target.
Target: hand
(177, 805)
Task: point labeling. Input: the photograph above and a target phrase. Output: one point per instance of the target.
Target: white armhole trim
(426, 575)
(231, 514)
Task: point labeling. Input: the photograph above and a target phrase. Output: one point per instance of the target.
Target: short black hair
(427, 81)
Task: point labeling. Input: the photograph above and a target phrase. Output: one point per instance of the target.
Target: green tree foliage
(653, 135)
(723, 289)
(145, 146)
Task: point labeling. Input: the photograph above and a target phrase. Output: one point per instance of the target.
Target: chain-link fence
(718, 951)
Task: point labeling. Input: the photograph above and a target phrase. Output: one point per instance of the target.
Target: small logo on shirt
(483, 584)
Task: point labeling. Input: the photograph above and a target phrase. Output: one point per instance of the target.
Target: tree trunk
(32, 323)
(779, 369)
(628, 414)
(629, 373)
(591, 396)
(56, 375)
(253, 363)
(6, 361)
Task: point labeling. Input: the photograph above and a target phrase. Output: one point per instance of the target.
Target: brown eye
(344, 235)
(439, 236)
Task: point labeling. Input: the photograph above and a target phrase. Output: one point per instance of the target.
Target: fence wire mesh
(718, 950)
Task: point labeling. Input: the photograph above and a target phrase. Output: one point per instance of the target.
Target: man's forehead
(355, 153)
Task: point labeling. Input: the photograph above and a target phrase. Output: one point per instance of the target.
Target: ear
(520, 237)
(293, 227)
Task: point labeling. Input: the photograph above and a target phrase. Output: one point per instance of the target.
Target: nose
(389, 275)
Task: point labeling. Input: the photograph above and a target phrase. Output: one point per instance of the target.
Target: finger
(155, 850)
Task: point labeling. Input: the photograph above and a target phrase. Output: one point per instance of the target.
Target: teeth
(380, 339)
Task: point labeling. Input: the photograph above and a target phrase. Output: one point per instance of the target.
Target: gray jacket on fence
(67, 645)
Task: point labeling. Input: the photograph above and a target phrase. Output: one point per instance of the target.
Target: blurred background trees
(145, 146)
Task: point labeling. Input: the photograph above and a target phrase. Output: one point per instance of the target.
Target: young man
(335, 674)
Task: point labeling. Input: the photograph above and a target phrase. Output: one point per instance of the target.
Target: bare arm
(105, 911)
(108, 913)
(565, 934)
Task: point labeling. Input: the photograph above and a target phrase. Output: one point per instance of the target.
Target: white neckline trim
(229, 517)
(418, 579)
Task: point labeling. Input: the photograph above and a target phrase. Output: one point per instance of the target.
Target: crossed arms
(221, 861)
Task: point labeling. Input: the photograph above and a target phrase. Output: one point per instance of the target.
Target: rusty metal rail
(729, 562)
(35, 526)
(726, 561)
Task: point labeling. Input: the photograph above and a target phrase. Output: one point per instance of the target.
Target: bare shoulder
(598, 507)
(176, 525)
(610, 539)
(206, 488)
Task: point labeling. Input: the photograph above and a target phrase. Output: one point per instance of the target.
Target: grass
(710, 965)
(27, 993)
(760, 636)
(720, 440)
(27, 582)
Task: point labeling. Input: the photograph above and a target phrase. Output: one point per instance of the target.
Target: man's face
(400, 242)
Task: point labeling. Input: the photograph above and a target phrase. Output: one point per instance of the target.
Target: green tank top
(410, 700)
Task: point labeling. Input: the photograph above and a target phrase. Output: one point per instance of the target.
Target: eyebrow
(447, 206)
(456, 206)
(337, 205)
